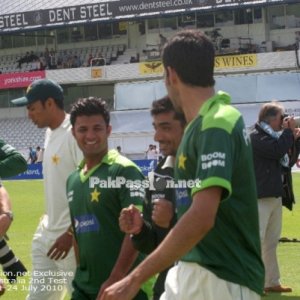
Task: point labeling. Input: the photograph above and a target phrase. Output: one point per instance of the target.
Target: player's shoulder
(221, 115)
(121, 163)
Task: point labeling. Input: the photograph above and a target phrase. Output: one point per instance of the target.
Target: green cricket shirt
(96, 200)
(216, 151)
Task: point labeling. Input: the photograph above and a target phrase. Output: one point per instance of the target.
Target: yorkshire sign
(110, 10)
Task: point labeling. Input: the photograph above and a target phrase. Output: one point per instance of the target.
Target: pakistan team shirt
(96, 200)
(11, 161)
(216, 151)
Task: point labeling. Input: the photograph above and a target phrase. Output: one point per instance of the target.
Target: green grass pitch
(28, 207)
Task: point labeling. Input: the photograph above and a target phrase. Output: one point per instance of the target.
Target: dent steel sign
(110, 10)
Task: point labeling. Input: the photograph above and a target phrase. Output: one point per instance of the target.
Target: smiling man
(148, 230)
(97, 191)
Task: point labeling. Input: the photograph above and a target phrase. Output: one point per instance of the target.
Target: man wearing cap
(53, 257)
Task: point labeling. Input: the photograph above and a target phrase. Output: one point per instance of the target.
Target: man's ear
(171, 75)
(49, 102)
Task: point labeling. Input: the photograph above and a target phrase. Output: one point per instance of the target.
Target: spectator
(32, 156)
(99, 60)
(32, 57)
(36, 65)
(24, 59)
(52, 60)
(89, 61)
(43, 61)
(271, 140)
(148, 150)
(39, 154)
(152, 153)
(76, 63)
(47, 58)
(60, 61)
(65, 59)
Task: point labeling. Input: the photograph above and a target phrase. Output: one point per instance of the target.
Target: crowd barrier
(35, 171)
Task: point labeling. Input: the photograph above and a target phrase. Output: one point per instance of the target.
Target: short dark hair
(164, 105)
(90, 106)
(192, 55)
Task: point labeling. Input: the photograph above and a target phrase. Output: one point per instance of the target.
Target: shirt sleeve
(11, 161)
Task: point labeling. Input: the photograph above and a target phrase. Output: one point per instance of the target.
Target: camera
(296, 118)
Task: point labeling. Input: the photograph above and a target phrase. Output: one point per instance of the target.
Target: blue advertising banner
(146, 165)
(35, 171)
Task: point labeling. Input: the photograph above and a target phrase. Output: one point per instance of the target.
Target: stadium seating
(21, 133)
(111, 53)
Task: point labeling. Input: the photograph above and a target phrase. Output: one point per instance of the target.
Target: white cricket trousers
(193, 282)
(50, 279)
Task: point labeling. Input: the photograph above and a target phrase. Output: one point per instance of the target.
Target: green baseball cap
(40, 89)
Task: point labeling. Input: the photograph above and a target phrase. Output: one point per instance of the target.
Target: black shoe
(14, 270)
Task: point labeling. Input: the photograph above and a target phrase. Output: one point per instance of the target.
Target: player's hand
(61, 247)
(162, 212)
(110, 281)
(297, 133)
(289, 122)
(2, 288)
(130, 220)
(124, 289)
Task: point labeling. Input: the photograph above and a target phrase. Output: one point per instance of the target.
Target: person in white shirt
(39, 154)
(152, 153)
(53, 256)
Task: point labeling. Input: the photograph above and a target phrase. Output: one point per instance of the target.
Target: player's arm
(191, 228)
(131, 194)
(150, 236)
(145, 240)
(63, 244)
(126, 258)
(5, 211)
(142, 234)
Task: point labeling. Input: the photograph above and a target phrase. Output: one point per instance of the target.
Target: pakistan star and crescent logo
(55, 159)
(181, 161)
(95, 195)
(28, 89)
